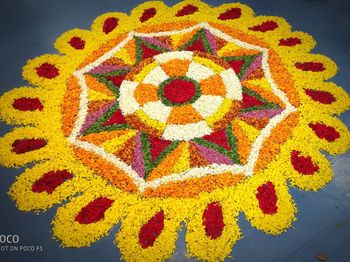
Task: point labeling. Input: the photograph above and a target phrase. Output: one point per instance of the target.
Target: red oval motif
(323, 97)
(110, 24)
(310, 66)
(151, 230)
(47, 70)
(265, 26)
(291, 41)
(302, 164)
(77, 43)
(148, 14)
(27, 104)
(50, 181)
(94, 211)
(267, 198)
(325, 132)
(21, 146)
(232, 13)
(187, 10)
(213, 220)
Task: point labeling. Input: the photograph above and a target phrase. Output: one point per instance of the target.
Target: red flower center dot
(179, 91)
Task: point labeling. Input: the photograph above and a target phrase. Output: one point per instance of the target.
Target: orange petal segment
(166, 167)
(176, 67)
(145, 93)
(213, 86)
(184, 115)
(94, 84)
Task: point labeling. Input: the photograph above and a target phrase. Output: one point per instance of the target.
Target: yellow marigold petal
(183, 163)
(220, 113)
(48, 107)
(248, 202)
(166, 167)
(117, 143)
(164, 245)
(97, 86)
(74, 234)
(313, 181)
(48, 149)
(204, 247)
(28, 200)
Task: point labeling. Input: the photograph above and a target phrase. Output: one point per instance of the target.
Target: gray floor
(30, 27)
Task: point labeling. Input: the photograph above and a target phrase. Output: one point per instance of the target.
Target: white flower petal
(127, 102)
(186, 132)
(232, 83)
(165, 57)
(156, 76)
(207, 105)
(157, 110)
(199, 72)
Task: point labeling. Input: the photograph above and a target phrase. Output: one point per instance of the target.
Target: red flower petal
(303, 165)
(148, 14)
(27, 104)
(236, 65)
(267, 198)
(77, 43)
(323, 97)
(265, 26)
(110, 24)
(47, 70)
(310, 66)
(116, 119)
(151, 230)
(50, 181)
(213, 220)
(325, 132)
(291, 41)
(157, 146)
(232, 13)
(21, 146)
(148, 52)
(249, 101)
(94, 211)
(116, 80)
(187, 10)
(179, 91)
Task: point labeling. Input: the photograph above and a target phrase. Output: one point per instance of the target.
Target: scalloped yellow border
(134, 211)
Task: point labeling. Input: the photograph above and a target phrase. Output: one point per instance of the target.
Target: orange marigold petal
(70, 108)
(213, 86)
(166, 167)
(101, 137)
(176, 67)
(145, 93)
(243, 142)
(195, 186)
(184, 115)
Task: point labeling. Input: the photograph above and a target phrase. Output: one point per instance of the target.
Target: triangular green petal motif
(222, 141)
(155, 150)
(240, 64)
(103, 123)
(252, 101)
(199, 43)
(145, 49)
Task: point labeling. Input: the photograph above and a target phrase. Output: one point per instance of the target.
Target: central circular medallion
(177, 91)
(180, 95)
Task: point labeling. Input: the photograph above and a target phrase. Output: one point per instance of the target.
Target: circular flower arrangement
(188, 113)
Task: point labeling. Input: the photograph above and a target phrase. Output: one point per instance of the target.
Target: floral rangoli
(183, 115)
